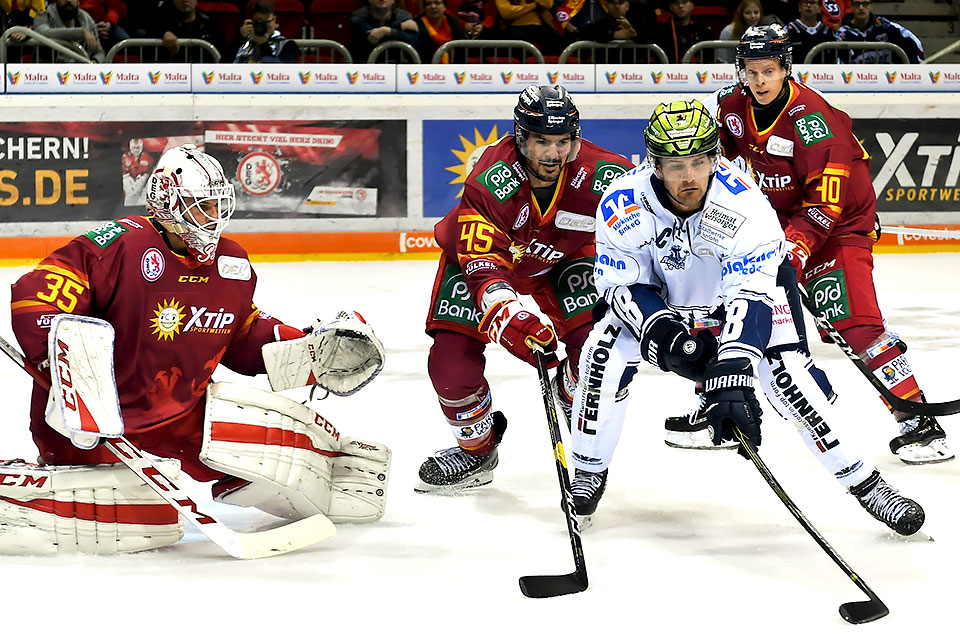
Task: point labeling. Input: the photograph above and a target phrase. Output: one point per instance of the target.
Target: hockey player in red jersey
(180, 298)
(136, 165)
(809, 163)
(525, 225)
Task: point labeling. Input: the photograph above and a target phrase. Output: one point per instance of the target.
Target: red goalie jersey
(175, 321)
(809, 164)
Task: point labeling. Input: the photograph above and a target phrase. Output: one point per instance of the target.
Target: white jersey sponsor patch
(233, 268)
(575, 222)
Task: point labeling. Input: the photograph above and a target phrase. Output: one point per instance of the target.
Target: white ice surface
(685, 544)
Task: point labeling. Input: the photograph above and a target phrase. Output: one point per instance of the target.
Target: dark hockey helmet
(680, 129)
(765, 41)
(549, 110)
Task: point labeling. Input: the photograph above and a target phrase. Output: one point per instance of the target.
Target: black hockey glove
(667, 344)
(728, 401)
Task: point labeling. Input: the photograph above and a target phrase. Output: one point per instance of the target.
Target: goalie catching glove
(341, 355)
(294, 461)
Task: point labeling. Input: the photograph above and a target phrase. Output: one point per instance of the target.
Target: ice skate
(885, 503)
(587, 489)
(691, 432)
(922, 441)
(453, 470)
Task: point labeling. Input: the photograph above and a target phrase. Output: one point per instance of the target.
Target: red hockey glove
(508, 323)
(797, 255)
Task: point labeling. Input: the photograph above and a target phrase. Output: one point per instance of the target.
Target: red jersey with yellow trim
(175, 319)
(136, 166)
(498, 231)
(808, 162)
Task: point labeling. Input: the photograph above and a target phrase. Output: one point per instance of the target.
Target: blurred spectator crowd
(267, 31)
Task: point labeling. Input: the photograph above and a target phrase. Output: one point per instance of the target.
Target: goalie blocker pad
(296, 462)
(103, 509)
(82, 403)
(342, 356)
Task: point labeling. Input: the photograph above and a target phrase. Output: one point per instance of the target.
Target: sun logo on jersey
(167, 320)
(470, 154)
(517, 251)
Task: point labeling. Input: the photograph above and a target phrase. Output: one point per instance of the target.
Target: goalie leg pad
(295, 461)
(104, 509)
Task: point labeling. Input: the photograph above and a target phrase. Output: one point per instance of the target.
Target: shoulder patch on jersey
(575, 221)
(104, 234)
(604, 174)
(500, 180)
(812, 128)
(734, 124)
(722, 220)
(777, 146)
(727, 90)
(234, 268)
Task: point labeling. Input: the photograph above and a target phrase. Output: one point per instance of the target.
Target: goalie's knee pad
(103, 509)
(296, 462)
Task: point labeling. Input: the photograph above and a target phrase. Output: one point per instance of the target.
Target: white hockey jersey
(728, 253)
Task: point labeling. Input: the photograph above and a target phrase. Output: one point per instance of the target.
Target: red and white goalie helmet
(190, 196)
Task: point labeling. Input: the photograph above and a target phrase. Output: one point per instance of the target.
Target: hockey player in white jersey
(684, 238)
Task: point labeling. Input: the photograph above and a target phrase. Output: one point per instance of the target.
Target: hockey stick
(853, 612)
(243, 546)
(549, 586)
(899, 404)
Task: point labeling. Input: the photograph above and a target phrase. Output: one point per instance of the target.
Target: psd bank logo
(413, 77)
(353, 76)
(847, 76)
(552, 78)
(63, 77)
(304, 77)
(934, 77)
(460, 76)
(891, 76)
(702, 77)
(506, 76)
(611, 77)
(208, 77)
(657, 76)
(802, 76)
(154, 76)
(257, 77)
(106, 77)
(13, 78)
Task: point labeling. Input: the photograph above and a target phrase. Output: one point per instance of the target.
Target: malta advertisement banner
(915, 164)
(99, 170)
(491, 78)
(88, 78)
(451, 148)
(299, 78)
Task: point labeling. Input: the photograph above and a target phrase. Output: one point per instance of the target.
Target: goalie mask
(191, 198)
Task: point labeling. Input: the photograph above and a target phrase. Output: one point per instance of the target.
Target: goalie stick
(898, 403)
(853, 612)
(240, 545)
(550, 586)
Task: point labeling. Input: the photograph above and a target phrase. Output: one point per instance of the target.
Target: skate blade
(702, 447)
(933, 452)
(455, 489)
(585, 522)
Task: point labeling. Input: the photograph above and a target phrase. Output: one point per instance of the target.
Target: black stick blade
(550, 586)
(864, 611)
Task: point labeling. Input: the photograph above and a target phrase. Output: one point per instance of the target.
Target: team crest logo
(657, 76)
(151, 264)
(802, 76)
(154, 76)
(506, 76)
(413, 77)
(257, 77)
(259, 173)
(522, 217)
(734, 124)
(891, 77)
(106, 77)
(304, 77)
(934, 77)
(702, 77)
(847, 76)
(611, 77)
(353, 76)
(552, 78)
(63, 77)
(168, 319)
(208, 77)
(13, 78)
(676, 260)
(460, 77)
